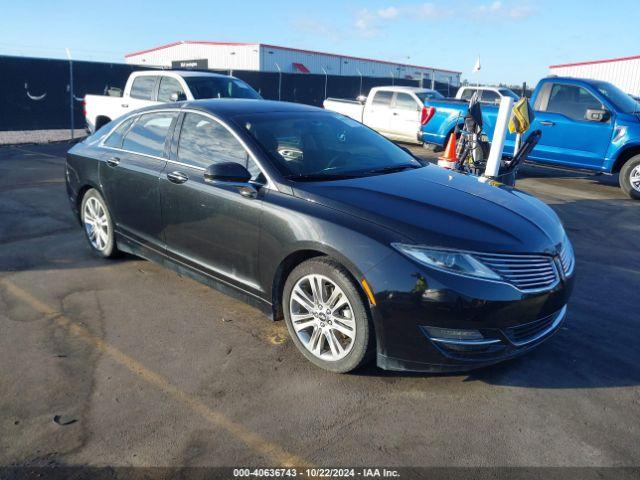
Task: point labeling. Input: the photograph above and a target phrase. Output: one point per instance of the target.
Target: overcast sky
(516, 40)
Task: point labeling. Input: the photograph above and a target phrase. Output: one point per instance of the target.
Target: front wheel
(98, 225)
(630, 177)
(327, 317)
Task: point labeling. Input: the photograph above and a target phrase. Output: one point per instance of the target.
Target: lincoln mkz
(309, 215)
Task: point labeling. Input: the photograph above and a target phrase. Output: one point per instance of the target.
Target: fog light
(436, 333)
(454, 337)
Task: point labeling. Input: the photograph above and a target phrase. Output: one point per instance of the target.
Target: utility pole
(279, 81)
(326, 80)
(71, 92)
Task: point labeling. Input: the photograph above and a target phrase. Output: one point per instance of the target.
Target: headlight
(448, 261)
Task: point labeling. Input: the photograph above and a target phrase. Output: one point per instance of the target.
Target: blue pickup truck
(585, 124)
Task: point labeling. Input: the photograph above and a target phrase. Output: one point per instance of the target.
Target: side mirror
(597, 115)
(177, 96)
(230, 172)
(361, 99)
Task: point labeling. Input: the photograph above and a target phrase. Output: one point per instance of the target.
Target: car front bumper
(410, 298)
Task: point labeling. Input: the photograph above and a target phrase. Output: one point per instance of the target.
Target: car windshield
(220, 87)
(430, 95)
(620, 100)
(319, 146)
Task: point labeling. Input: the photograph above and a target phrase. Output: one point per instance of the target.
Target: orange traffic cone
(449, 159)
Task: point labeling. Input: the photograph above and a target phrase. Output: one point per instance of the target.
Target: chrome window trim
(269, 184)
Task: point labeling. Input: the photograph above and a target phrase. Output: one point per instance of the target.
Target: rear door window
(489, 96)
(169, 86)
(572, 101)
(382, 99)
(148, 135)
(404, 101)
(467, 93)
(142, 87)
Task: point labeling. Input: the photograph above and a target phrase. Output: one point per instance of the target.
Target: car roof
(230, 107)
(181, 73)
(401, 88)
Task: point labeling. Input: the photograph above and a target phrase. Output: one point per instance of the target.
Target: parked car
(151, 87)
(488, 95)
(395, 112)
(363, 250)
(585, 124)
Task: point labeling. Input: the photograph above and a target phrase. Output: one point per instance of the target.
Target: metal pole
(499, 134)
(326, 80)
(71, 92)
(393, 79)
(433, 79)
(279, 82)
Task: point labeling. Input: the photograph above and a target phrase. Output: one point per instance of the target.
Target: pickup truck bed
(585, 124)
(351, 108)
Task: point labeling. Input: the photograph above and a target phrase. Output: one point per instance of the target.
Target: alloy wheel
(96, 223)
(322, 317)
(634, 178)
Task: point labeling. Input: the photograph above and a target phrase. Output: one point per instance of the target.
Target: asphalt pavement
(125, 363)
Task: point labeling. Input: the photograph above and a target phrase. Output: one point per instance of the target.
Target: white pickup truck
(158, 86)
(489, 95)
(395, 112)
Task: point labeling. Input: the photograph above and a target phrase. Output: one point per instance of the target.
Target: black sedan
(311, 216)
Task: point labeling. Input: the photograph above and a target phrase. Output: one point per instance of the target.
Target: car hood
(436, 207)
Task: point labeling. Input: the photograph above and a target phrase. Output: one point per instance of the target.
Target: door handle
(547, 123)
(113, 161)
(125, 105)
(395, 113)
(177, 177)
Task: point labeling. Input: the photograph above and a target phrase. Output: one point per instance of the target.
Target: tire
(317, 341)
(98, 224)
(630, 177)
(430, 147)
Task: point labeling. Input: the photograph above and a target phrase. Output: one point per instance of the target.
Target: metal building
(622, 72)
(271, 58)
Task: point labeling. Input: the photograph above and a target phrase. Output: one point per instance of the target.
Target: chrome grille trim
(567, 260)
(528, 273)
(531, 332)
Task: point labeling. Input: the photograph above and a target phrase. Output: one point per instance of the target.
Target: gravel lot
(39, 136)
(126, 363)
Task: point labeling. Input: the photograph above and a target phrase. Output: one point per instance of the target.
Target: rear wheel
(98, 225)
(327, 317)
(630, 177)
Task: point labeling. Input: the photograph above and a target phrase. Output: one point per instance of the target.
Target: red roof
(594, 62)
(198, 42)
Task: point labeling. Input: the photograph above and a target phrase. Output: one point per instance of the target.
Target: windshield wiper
(312, 177)
(393, 168)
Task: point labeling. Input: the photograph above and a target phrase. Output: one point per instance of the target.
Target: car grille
(530, 332)
(526, 272)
